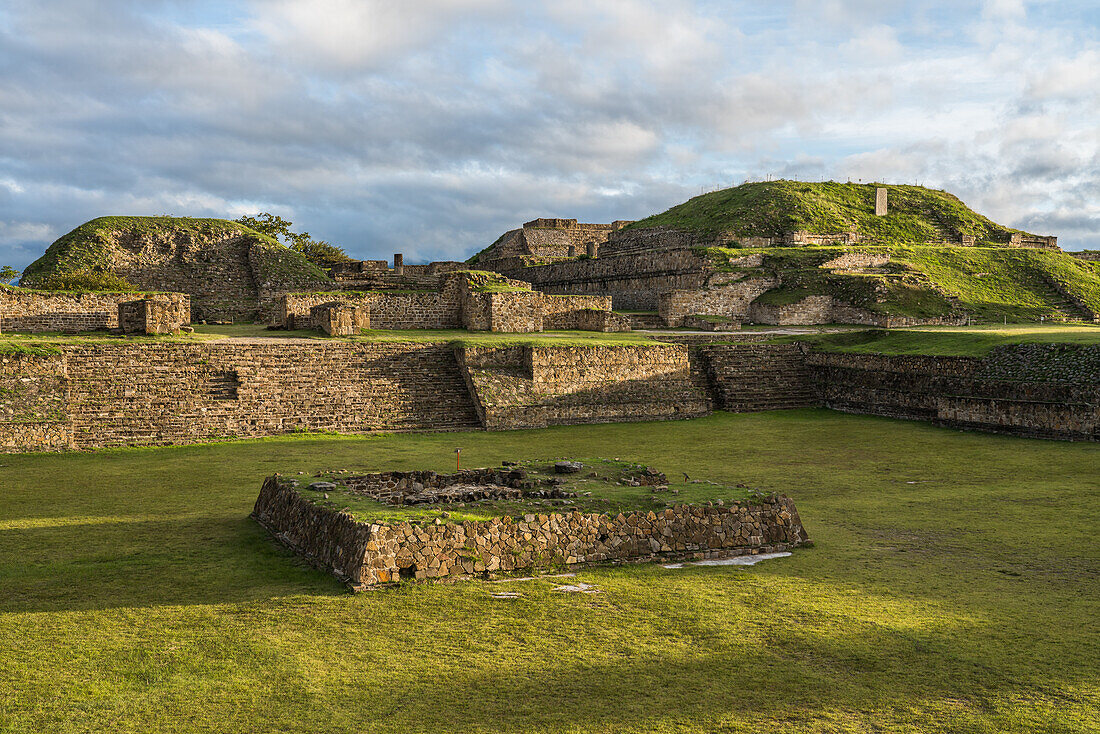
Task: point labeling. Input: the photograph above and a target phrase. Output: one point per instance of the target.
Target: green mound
(231, 271)
(1020, 284)
(94, 246)
(775, 208)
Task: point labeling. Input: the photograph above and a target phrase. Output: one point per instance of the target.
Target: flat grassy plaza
(954, 585)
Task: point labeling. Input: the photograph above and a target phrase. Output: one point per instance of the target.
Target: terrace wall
(633, 280)
(366, 554)
(23, 309)
(533, 387)
(1045, 391)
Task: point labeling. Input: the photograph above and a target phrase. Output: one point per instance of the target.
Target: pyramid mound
(231, 272)
(805, 213)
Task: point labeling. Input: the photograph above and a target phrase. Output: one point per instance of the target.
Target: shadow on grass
(128, 563)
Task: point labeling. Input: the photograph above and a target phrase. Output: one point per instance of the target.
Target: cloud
(431, 127)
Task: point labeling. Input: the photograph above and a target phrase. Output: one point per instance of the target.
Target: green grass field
(954, 586)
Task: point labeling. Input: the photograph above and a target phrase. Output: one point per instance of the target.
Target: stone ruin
(365, 553)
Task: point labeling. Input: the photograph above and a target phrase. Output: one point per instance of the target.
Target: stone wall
(163, 313)
(1022, 239)
(33, 402)
(340, 319)
(633, 280)
(459, 304)
(366, 554)
(731, 300)
(1057, 396)
(533, 387)
(828, 310)
(518, 312)
(24, 309)
(753, 377)
(428, 310)
(171, 393)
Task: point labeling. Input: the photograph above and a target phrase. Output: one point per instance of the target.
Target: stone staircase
(645, 320)
(1063, 304)
(753, 377)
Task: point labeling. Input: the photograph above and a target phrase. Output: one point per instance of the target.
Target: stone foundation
(366, 554)
(340, 319)
(164, 313)
(1044, 391)
(27, 310)
(460, 303)
(84, 396)
(534, 387)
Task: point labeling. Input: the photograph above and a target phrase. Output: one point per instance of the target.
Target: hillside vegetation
(94, 246)
(773, 208)
(1020, 284)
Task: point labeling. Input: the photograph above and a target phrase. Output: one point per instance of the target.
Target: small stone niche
(222, 385)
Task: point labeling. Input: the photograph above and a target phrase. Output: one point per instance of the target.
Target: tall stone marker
(880, 202)
(398, 263)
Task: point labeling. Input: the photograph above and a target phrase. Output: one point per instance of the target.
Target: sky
(431, 127)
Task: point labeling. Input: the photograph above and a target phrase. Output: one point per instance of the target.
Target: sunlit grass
(953, 586)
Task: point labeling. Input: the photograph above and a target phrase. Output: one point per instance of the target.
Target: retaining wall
(533, 387)
(633, 280)
(23, 309)
(365, 554)
(1045, 391)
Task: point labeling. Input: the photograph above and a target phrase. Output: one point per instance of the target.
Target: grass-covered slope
(774, 208)
(1020, 284)
(96, 245)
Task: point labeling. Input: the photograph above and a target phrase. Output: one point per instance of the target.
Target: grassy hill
(95, 245)
(1020, 284)
(773, 208)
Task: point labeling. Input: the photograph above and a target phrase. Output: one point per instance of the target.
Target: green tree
(316, 251)
(8, 274)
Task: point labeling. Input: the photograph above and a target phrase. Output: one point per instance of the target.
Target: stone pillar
(572, 251)
(398, 264)
(590, 249)
(880, 202)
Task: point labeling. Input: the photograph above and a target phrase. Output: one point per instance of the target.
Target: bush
(84, 280)
(318, 252)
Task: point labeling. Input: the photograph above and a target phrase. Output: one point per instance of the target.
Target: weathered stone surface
(366, 554)
(162, 313)
(23, 309)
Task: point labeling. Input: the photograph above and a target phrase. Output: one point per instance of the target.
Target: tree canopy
(319, 252)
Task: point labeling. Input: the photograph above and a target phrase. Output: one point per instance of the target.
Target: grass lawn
(964, 341)
(18, 342)
(954, 586)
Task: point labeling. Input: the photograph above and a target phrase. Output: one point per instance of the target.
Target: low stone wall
(534, 387)
(1051, 399)
(432, 310)
(731, 300)
(340, 319)
(516, 312)
(23, 309)
(163, 313)
(459, 304)
(633, 280)
(366, 554)
(133, 394)
(34, 394)
(828, 310)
